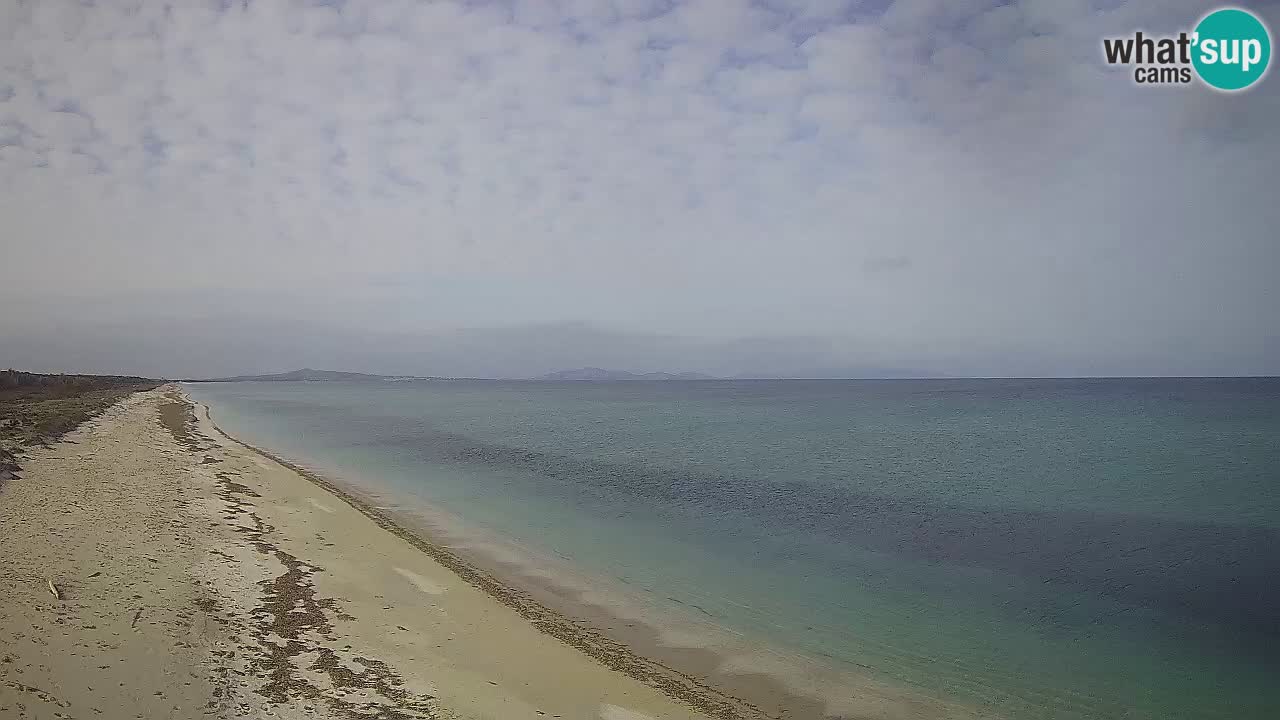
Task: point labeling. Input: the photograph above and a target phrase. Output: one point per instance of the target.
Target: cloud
(700, 167)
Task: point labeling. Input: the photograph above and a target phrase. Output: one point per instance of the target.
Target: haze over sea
(1039, 548)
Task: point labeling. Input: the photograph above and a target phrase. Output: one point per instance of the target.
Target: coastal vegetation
(37, 408)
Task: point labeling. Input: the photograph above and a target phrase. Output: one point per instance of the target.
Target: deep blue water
(1046, 548)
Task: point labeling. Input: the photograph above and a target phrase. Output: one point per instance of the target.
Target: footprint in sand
(420, 582)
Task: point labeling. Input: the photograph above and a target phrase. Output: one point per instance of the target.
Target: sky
(818, 187)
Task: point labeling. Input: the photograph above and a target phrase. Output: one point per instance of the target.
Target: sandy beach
(195, 577)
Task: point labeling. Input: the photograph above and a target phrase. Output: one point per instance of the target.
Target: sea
(1073, 548)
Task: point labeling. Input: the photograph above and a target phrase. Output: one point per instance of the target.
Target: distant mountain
(595, 374)
(588, 374)
(860, 372)
(307, 374)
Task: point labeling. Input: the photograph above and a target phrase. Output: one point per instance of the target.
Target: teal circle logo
(1231, 49)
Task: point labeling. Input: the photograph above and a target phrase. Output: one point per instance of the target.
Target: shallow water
(1054, 549)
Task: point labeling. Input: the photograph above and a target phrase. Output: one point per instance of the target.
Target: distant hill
(595, 374)
(860, 372)
(582, 374)
(309, 375)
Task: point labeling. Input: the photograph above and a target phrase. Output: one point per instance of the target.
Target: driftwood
(53, 589)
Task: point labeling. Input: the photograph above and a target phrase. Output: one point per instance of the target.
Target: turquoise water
(1043, 548)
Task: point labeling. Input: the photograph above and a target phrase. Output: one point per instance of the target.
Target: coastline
(692, 664)
(154, 568)
(616, 656)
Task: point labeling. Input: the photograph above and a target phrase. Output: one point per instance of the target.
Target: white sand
(200, 580)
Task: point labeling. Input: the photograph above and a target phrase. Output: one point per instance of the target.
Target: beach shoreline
(532, 606)
(154, 568)
(277, 590)
(690, 659)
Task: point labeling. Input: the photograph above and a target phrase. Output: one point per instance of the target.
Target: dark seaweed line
(613, 655)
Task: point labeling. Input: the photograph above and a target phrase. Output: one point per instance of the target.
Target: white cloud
(848, 56)
(715, 149)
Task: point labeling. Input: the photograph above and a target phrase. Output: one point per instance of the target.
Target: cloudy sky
(954, 186)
